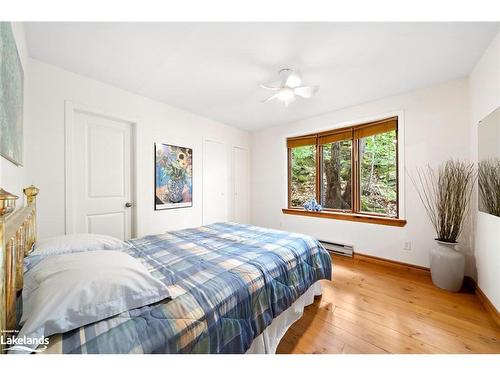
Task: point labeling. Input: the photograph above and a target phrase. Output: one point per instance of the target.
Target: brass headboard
(17, 235)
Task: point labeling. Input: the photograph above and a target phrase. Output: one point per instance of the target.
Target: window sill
(347, 216)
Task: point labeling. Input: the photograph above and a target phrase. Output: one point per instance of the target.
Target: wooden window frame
(356, 133)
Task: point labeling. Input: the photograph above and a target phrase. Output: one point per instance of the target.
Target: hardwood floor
(376, 308)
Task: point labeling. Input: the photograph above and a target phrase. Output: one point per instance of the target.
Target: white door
(101, 176)
(241, 185)
(214, 182)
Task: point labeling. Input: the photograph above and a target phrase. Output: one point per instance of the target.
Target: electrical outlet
(407, 245)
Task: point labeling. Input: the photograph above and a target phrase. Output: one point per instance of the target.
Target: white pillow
(73, 243)
(64, 292)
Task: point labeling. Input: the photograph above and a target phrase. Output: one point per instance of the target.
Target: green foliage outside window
(377, 174)
(303, 165)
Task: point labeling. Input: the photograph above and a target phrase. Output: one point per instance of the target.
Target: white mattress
(267, 342)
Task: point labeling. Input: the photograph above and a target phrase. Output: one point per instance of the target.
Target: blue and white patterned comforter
(227, 281)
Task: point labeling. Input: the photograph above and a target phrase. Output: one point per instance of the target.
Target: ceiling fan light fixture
(286, 94)
(289, 88)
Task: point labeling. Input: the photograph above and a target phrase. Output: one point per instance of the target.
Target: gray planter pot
(447, 266)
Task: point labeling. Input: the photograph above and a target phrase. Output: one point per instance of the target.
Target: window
(378, 173)
(336, 171)
(303, 183)
(351, 171)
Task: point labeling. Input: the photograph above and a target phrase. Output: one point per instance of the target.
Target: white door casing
(241, 175)
(99, 176)
(214, 182)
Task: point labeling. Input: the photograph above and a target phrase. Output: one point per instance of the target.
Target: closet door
(241, 185)
(214, 182)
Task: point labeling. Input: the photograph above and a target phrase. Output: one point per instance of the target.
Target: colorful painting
(173, 176)
(11, 97)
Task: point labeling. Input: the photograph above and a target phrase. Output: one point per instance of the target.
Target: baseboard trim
(387, 262)
(469, 282)
(485, 301)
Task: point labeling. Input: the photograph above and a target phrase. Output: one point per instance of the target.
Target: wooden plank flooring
(378, 308)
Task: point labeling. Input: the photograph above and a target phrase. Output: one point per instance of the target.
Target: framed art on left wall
(173, 176)
(11, 97)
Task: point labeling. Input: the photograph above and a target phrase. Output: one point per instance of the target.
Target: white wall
(11, 175)
(436, 127)
(484, 83)
(48, 89)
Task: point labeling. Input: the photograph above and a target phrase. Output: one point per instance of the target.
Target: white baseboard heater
(338, 248)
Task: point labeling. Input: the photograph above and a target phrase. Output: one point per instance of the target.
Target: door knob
(128, 204)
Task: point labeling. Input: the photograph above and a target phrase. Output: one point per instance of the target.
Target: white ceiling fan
(289, 88)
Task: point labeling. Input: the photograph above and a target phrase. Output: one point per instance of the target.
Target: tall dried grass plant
(446, 195)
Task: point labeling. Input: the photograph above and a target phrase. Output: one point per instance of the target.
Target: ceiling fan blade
(289, 101)
(292, 79)
(306, 91)
(267, 87)
(270, 98)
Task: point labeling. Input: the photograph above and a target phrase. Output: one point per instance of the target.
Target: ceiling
(211, 69)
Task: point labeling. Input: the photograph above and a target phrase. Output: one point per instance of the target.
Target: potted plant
(446, 195)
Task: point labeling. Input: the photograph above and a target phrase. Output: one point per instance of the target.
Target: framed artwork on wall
(11, 97)
(173, 176)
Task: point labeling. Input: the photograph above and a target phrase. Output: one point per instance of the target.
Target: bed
(233, 288)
